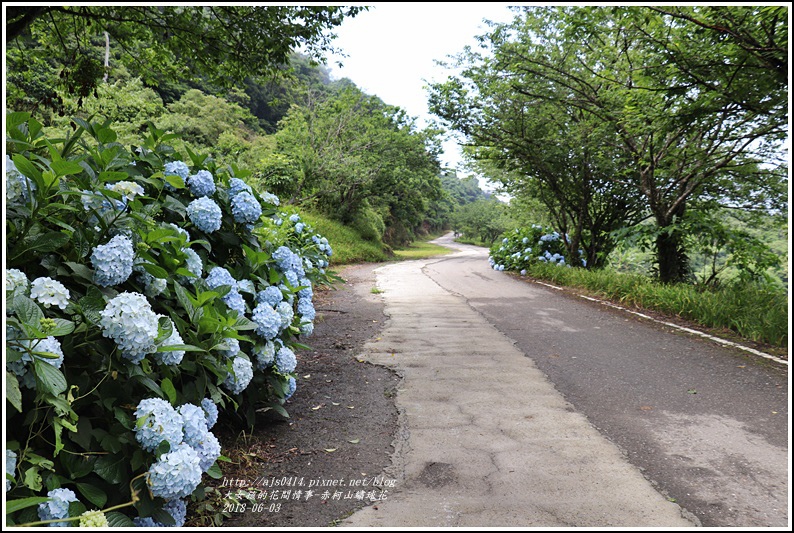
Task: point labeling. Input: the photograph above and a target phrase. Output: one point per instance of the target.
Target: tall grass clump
(349, 245)
(755, 311)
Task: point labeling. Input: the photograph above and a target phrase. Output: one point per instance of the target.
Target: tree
(682, 144)
(222, 43)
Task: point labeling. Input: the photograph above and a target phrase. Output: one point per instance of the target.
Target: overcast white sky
(392, 49)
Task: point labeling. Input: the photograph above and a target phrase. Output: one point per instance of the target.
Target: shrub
(132, 284)
(522, 247)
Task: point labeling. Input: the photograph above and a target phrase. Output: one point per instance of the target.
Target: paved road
(521, 406)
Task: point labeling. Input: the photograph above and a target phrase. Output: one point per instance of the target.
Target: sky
(392, 47)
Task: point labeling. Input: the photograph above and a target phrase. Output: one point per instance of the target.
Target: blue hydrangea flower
(175, 474)
(205, 214)
(245, 208)
(293, 385)
(101, 204)
(18, 186)
(50, 345)
(128, 319)
(236, 186)
(201, 183)
(49, 292)
(193, 264)
(194, 423)
(220, 276)
(11, 467)
(157, 422)
(271, 295)
(283, 258)
(270, 198)
(234, 301)
(178, 510)
(151, 286)
(229, 347)
(16, 280)
(241, 375)
(299, 227)
(265, 354)
(208, 450)
(307, 291)
(286, 313)
(285, 360)
(57, 507)
(174, 357)
(127, 189)
(246, 285)
(267, 321)
(294, 218)
(211, 411)
(306, 308)
(113, 261)
(176, 168)
(292, 278)
(307, 328)
(289, 296)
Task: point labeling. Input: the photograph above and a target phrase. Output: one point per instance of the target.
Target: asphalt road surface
(525, 406)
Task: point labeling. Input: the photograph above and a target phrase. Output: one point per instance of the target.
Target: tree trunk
(671, 257)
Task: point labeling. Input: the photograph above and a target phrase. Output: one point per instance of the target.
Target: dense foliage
(615, 115)
(146, 298)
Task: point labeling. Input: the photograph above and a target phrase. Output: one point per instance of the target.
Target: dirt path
(342, 420)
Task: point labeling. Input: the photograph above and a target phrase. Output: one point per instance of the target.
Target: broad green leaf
(13, 395)
(215, 471)
(111, 468)
(62, 327)
(113, 176)
(12, 506)
(116, 519)
(48, 242)
(27, 168)
(15, 119)
(66, 168)
(156, 271)
(168, 388)
(27, 310)
(50, 378)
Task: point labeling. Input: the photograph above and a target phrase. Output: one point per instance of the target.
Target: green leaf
(184, 299)
(106, 135)
(215, 471)
(113, 176)
(62, 327)
(50, 378)
(15, 119)
(13, 395)
(12, 506)
(81, 270)
(27, 310)
(175, 181)
(48, 242)
(156, 271)
(65, 168)
(111, 468)
(168, 388)
(92, 304)
(32, 479)
(93, 494)
(27, 168)
(116, 519)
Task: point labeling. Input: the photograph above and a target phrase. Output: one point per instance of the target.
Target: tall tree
(680, 141)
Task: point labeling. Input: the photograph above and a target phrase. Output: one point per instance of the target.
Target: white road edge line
(688, 330)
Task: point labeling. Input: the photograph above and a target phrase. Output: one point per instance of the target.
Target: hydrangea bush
(148, 296)
(520, 248)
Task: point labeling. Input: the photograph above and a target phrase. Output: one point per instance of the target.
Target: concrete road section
(486, 440)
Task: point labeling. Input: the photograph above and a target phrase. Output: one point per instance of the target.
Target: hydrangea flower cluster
(270, 295)
(11, 466)
(113, 261)
(127, 189)
(18, 186)
(201, 183)
(233, 299)
(193, 264)
(16, 280)
(176, 474)
(49, 292)
(246, 208)
(210, 411)
(128, 319)
(293, 385)
(522, 247)
(285, 360)
(57, 507)
(157, 422)
(93, 519)
(241, 375)
(265, 354)
(176, 168)
(99, 203)
(151, 286)
(236, 185)
(171, 357)
(205, 214)
(268, 321)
